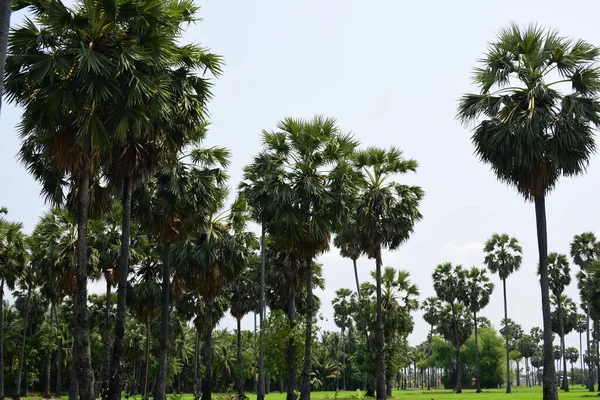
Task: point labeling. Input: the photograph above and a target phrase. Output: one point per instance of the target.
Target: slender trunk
(572, 375)
(292, 359)
(81, 331)
(565, 382)
(23, 342)
(590, 381)
(105, 372)
(161, 382)
(356, 277)
(255, 359)
(478, 387)
(518, 373)
(508, 389)
(2, 316)
(429, 357)
(458, 387)
(147, 369)
(527, 383)
(73, 385)
(379, 339)
(240, 364)
(581, 354)
(208, 353)
(197, 380)
(116, 363)
(550, 391)
(343, 361)
(58, 388)
(5, 11)
(596, 325)
(307, 367)
(260, 395)
(49, 360)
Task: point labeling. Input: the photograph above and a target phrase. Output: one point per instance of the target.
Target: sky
(391, 72)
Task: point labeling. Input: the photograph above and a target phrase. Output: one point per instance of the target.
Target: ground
(518, 393)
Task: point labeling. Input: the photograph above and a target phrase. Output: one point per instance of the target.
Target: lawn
(518, 393)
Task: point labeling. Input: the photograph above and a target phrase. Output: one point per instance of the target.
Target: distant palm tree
(343, 304)
(12, 262)
(431, 308)
(572, 355)
(503, 256)
(580, 328)
(527, 347)
(449, 285)
(585, 248)
(348, 241)
(475, 297)
(531, 133)
(559, 274)
(386, 213)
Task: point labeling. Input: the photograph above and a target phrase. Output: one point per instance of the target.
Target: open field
(518, 393)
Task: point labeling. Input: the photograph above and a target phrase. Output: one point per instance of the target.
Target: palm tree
(527, 347)
(348, 241)
(343, 304)
(514, 331)
(431, 308)
(531, 133)
(572, 355)
(310, 197)
(243, 292)
(12, 263)
(27, 282)
(581, 327)
(504, 256)
(386, 211)
(559, 275)
(476, 296)
(176, 200)
(449, 285)
(585, 248)
(5, 11)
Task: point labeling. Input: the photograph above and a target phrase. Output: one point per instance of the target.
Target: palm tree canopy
(13, 252)
(431, 308)
(529, 131)
(559, 273)
(478, 290)
(449, 282)
(584, 249)
(503, 255)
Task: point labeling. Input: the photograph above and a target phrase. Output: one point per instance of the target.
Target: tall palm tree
(581, 327)
(530, 132)
(348, 241)
(559, 274)
(343, 304)
(476, 296)
(585, 248)
(503, 256)
(243, 292)
(178, 199)
(309, 199)
(449, 285)
(527, 347)
(12, 262)
(386, 211)
(5, 11)
(431, 308)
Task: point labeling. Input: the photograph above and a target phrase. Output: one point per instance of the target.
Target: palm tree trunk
(590, 381)
(356, 277)
(23, 341)
(292, 358)
(343, 361)
(207, 389)
(260, 395)
(81, 331)
(527, 383)
(116, 363)
(572, 375)
(49, 360)
(58, 387)
(161, 382)
(597, 358)
(508, 388)
(379, 354)
(549, 382)
(197, 380)
(565, 381)
(239, 358)
(518, 373)
(73, 385)
(5, 11)
(105, 372)
(147, 369)
(2, 335)
(429, 357)
(478, 384)
(458, 387)
(255, 359)
(581, 354)
(307, 367)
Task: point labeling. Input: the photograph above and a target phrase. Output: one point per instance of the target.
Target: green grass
(518, 393)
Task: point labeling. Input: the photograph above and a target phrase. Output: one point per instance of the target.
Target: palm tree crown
(504, 255)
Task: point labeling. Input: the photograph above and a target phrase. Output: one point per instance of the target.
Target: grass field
(518, 393)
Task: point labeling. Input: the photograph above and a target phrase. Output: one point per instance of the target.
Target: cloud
(467, 253)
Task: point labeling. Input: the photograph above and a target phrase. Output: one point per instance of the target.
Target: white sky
(391, 72)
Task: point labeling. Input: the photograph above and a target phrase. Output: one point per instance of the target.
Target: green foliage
(277, 333)
(491, 357)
